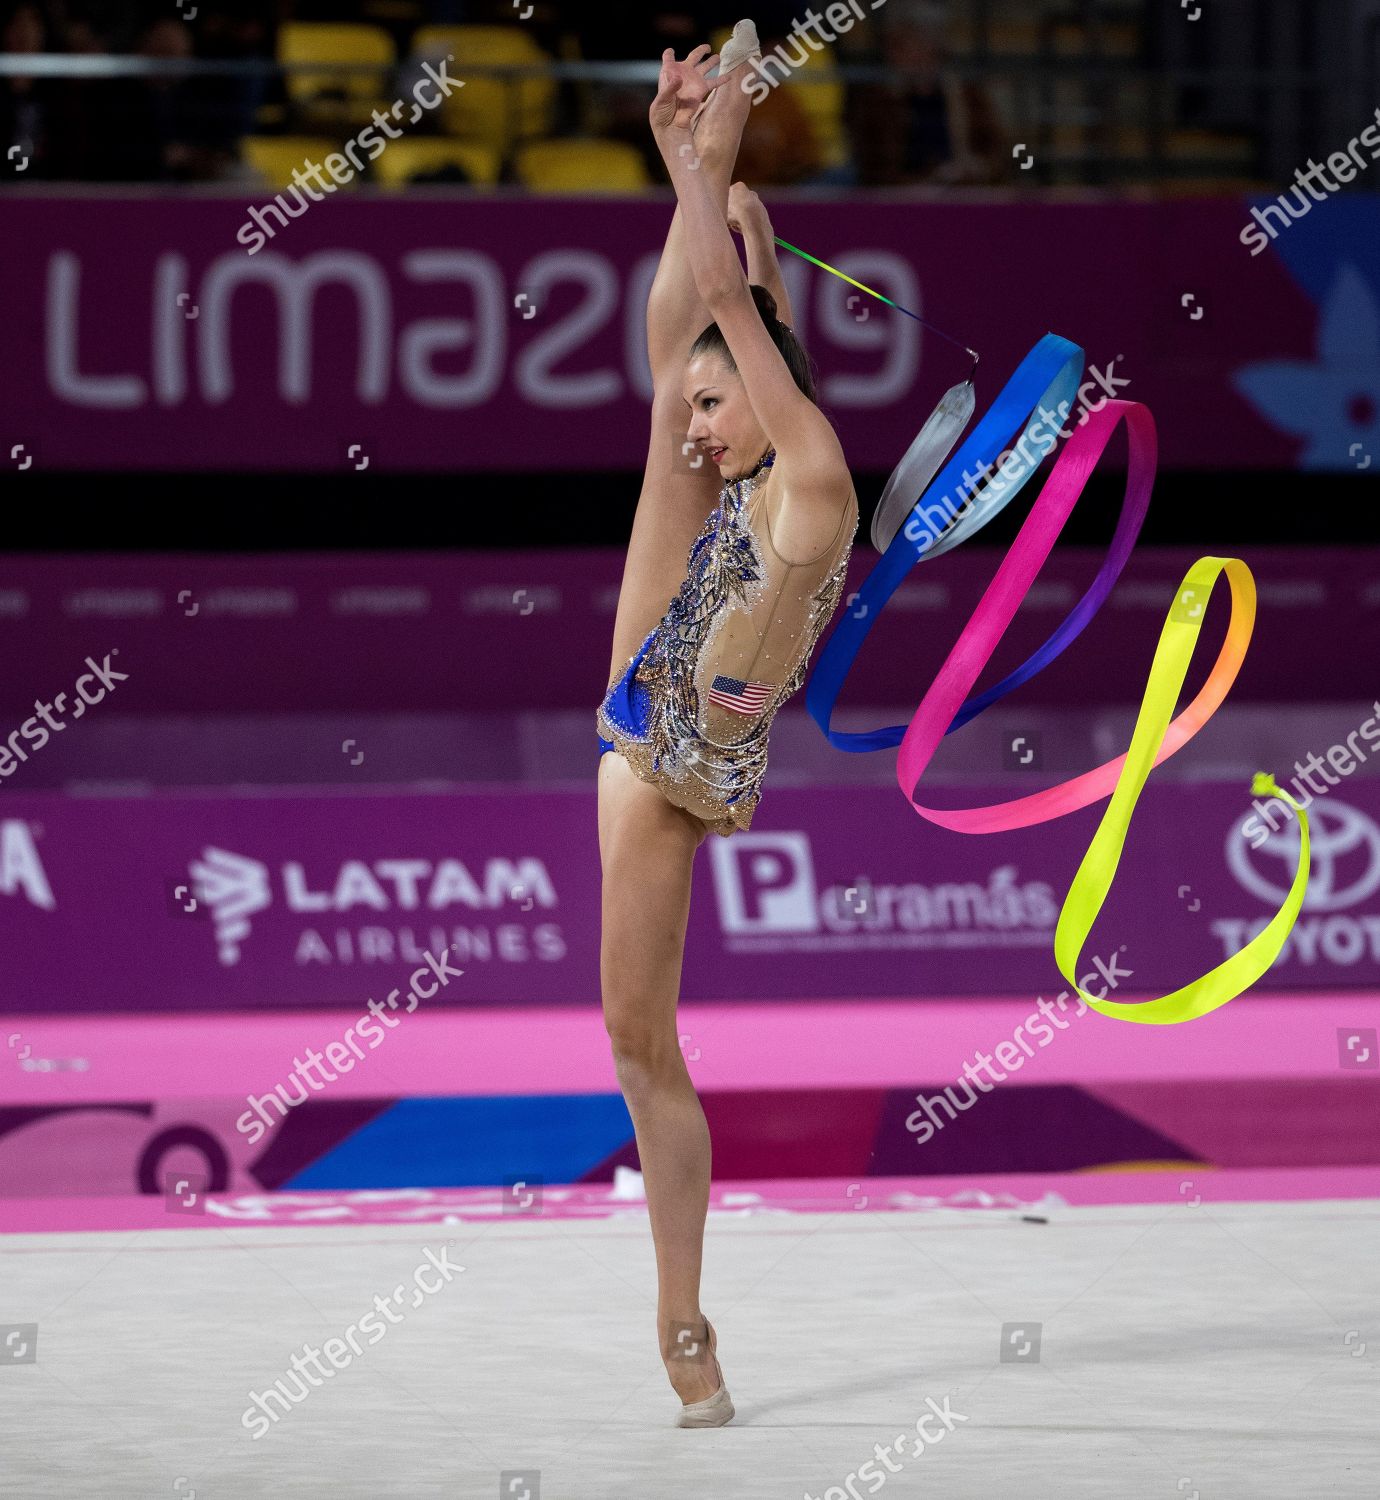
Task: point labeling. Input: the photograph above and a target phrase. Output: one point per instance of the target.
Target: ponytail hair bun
(712, 341)
(766, 304)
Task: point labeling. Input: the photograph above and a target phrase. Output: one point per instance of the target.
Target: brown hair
(712, 341)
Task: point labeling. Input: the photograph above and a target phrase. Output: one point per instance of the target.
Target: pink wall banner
(473, 333)
(184, 902)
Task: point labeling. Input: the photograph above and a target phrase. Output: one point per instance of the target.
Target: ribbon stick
(872, 292)
(934, 441)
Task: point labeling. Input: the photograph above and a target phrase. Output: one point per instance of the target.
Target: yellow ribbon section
(1094, 879)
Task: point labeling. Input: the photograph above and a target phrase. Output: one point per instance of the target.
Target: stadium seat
(577, 165)
(494, 111)
(275, 156)
(405, 159)
(343, 97)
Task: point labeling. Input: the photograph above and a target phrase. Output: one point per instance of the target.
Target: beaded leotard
(692, 709)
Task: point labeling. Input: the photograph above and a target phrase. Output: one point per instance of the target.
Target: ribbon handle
(1042, 388)
(912, 476)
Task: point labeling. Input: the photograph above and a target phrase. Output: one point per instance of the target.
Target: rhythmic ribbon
(1155, 738)
(1046, 382)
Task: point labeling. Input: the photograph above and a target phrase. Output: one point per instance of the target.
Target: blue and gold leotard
(692, 709)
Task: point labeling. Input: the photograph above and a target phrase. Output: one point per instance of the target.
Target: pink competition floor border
(815, 1044)
(743, 1045)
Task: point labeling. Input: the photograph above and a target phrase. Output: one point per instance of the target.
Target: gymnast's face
(722, 422)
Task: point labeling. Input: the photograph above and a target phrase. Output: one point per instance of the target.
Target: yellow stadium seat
(581, 166)
(273, 157)
(404, 159)
(317, 94)
(821, 97)
(490, 109)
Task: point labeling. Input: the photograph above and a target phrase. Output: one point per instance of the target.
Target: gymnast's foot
(693, 1369)
(742, 45)
(719, 121)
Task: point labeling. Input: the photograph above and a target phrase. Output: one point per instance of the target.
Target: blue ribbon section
(1046, 381)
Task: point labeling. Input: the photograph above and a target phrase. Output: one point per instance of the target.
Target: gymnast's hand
(745, 208)
(682, 88)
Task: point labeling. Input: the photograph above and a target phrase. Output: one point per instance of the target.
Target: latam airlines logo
(770, 901)
(234, 888)
(237, 888)
(1344, 873)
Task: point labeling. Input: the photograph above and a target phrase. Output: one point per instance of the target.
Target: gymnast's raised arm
(809, 455)
(747, 216)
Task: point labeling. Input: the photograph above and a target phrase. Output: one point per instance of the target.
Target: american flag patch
(740, 697)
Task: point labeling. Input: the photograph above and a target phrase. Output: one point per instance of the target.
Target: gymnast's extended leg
(675, 498)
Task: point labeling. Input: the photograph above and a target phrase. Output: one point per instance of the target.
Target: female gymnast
(720, 607)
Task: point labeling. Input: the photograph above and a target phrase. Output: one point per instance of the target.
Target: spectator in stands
(627, 34)
(191, 136)
(926, 126)
(171, 129)
(47, 119)
(114, 129)
(236, 29)
(25, 103)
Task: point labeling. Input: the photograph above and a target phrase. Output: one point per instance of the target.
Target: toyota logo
(1344, 848)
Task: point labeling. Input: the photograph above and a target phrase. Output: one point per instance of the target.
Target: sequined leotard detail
(692, 709)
